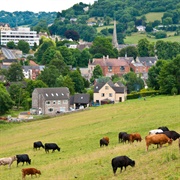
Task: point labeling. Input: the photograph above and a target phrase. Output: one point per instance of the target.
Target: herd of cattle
(24, 158)
(159, 136)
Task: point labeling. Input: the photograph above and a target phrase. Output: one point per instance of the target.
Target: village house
(50, 101)
(109, 92)
(110, 66)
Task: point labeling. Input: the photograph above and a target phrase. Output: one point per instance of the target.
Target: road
(7, 53)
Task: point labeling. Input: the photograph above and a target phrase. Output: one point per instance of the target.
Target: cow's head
(132, 163)
(170, 141)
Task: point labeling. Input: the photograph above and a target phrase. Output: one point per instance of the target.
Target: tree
(65, 81)
(102, 45)
(143, 45)
(16, 92)
(61, 66)
(130, 51)
(50, 54)
(46, 43)
(11, 45)
(78, 81)
(153, 75)
(49, 75)
(32, 84)
(67, 55)
(133, 82)
(84, 60)
(97, 72)
(70, 34)
(169, 76)
(15, 73)
(23, 46)
(6, 103)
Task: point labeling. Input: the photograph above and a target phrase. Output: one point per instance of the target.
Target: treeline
(22, 18)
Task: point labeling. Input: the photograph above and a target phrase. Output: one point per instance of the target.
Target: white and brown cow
(7, 161)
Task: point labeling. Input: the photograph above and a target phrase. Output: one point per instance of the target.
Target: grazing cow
(103, 142)
(106, 138)
(120, 136)
(154, 131)
(120, 162)
(23, 158)
(30, 171)
(158, 139)
(171, 134)
(49, 146)
(38, 144)
(7, 160)
(125, 137)
(163, 128)
(135, 137)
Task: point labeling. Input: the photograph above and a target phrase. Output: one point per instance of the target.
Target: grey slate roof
(118, 89)
(61, 93)
(82, 98)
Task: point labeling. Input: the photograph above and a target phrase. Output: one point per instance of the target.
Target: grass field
(78, 136)
(154, 16)
(135, 37)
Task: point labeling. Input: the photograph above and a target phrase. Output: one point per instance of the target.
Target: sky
(39, 5)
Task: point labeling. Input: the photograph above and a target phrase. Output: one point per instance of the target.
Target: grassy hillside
(154, 16)
(78, 135)
(135, 37)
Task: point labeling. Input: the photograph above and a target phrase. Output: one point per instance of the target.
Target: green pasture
(135, 37)
(104, 27)
(154, 16)
(78, 136)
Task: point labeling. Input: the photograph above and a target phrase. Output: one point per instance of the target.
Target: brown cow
(106, 138)
(30, 171)
(158, 139)
(135, 137)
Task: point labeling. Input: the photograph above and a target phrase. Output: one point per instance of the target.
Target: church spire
(114, 39)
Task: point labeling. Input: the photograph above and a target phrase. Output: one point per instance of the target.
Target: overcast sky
(39, 5)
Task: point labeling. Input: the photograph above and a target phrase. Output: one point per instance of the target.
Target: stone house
(109, 92)
(50, 101)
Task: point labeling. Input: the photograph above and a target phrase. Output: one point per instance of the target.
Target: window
(122, 68)
(109, 68)
(110, 94)
(50, 109)
(102, 95)
(106, 87)
(65, 101)
(48, 102)
(59, 102)
(54, 102)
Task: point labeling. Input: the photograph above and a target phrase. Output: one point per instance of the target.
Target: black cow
(49, 146)
(171, 134)
(38, 144)
(103, 142)
(163, 128)
(125, 137)
(121, 135)
(23, 158)
(120, 162)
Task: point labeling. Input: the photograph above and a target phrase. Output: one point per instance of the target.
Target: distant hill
(22, 18)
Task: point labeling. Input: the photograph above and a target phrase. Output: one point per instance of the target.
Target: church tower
(114, 39)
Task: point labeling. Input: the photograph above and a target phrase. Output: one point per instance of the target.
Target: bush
(136, 95)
